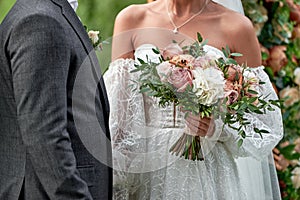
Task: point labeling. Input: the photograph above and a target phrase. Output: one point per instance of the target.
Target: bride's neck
(185, 7)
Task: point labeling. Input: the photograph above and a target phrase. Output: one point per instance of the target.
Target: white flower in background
(282, 73)
(296, 177)
(93, 35)
(297, 76)
(208, 84)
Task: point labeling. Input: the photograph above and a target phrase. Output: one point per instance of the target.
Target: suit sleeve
(40, 58)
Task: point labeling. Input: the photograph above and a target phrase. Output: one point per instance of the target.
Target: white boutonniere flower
(95, 38)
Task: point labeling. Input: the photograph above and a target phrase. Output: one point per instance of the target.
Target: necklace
(175, 30)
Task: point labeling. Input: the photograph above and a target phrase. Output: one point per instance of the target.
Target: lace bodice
(143, 132)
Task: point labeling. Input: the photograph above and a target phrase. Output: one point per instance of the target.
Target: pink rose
(180, 78)
(172, 50)
(230, 92)
(164, 69)
(232, 96)
(205, 62)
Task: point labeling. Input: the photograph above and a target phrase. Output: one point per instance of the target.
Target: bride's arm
(126, 110)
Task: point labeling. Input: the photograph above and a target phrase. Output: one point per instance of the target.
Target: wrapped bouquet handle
(188, 146)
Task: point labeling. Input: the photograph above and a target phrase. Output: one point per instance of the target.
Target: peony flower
(297, 76)
(292, 95)
(93, 35)
(180, 78)
(208, 84)
(172, 50)
(296, 177)
(164, 70)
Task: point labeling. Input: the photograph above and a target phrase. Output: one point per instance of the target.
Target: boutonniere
(95, 38)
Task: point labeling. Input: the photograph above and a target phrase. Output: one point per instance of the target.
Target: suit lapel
(74, 21)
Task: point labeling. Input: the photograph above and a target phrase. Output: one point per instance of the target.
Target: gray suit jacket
(44, 153)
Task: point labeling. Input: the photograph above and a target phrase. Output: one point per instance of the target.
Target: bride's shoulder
(133, 15)
(239, 23)
(228, 18)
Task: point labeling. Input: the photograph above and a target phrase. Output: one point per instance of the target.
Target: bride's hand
(200, 126)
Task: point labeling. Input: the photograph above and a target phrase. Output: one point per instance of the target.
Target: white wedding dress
(142, 133)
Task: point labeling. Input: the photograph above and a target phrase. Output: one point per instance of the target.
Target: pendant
(175, 31)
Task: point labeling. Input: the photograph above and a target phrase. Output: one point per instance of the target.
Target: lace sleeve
(271, 121)
(126, 106)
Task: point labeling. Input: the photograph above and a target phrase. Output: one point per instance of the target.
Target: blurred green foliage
(95, 14)
(100, 14)
(5, 5)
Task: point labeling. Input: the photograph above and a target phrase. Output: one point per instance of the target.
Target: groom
(45, 147)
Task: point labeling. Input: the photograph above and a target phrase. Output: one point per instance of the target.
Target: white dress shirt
(74, 4)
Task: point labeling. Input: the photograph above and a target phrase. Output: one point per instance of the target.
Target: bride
(142, 132)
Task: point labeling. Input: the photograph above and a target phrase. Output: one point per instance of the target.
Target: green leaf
(252, 91)
(134, 70)
(142, 90)
(264, 131)
(252, 99)
(242, 133)
(256, 130)
(141, 61)
(240, 142)
(236, 54)
(156, 51)
(199, 37)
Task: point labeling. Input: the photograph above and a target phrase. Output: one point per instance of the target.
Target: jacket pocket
(87, 173)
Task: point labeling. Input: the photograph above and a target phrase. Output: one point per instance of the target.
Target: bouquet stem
(188, 146)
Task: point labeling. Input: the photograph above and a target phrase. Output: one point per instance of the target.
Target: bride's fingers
(197, 120)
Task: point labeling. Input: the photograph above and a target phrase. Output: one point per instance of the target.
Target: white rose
(93, 35)
(296, 177)
(297, 76)
(200, 84)
(208, 85)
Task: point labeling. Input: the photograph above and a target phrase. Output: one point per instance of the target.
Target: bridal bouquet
(201, 83)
